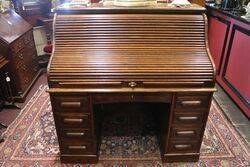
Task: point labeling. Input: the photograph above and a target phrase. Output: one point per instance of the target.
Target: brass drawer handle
(191, 103)
(72, 120)
(187, 118)
(182, 146)
(71, 104)
(75, 134)
(188, 132)
(132, 84)
(78, 147)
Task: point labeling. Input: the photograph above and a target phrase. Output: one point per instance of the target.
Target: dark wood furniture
(18, 47)
(3, 66)
(229, 41)
(33, 10)
(149, 54)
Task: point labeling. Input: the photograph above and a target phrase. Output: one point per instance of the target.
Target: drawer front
(180, 132)
(192, 101)
(183, 147)
(76, 147)
(75, 134)
(20, 56)
(28, 37)
(73, 120)
(72, 104)
(132, 97)
(23, 76)
(22, 41)
(26, 55)
(188, 118)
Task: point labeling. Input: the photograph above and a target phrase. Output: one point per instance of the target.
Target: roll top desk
(144, 54)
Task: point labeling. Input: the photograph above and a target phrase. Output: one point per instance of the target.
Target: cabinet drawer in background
(22, 41)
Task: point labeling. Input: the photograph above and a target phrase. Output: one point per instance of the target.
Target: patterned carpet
(31, 141)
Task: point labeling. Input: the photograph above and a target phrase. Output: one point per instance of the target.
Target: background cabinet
(18, 47)
(218, 32)
(3, 65)
(229, 43)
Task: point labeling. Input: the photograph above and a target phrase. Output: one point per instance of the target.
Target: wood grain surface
(153, 50)
(112, 55)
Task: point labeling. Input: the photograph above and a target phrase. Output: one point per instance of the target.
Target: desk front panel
(181, 132)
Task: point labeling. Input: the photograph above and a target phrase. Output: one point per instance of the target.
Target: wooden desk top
(99, 8)
(12, 26)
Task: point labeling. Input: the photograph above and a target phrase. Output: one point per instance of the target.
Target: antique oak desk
(146, 54)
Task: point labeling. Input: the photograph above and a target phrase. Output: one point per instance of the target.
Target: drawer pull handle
(190, 132)
(77, 147)
(187, 118)
(75, 133)
(191, 103)
(72, 120)
(132, 84)
(182, 146)
(71, 104)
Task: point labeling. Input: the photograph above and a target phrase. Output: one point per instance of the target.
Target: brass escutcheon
(132, 84)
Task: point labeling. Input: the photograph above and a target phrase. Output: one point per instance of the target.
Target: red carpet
(31, 141)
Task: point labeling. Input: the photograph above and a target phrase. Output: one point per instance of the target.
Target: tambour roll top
(159, 47)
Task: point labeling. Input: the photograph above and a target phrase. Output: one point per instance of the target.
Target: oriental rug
(31, 141)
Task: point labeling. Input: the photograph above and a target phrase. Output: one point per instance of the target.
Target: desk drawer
(71, 104)
(188, 118)
(192, 101)
(73, 120)
(76, 134)
(180, 132)
(76, 147)
(183, 147)
(132, 97)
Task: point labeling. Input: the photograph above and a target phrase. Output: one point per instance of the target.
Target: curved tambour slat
(116, 48)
